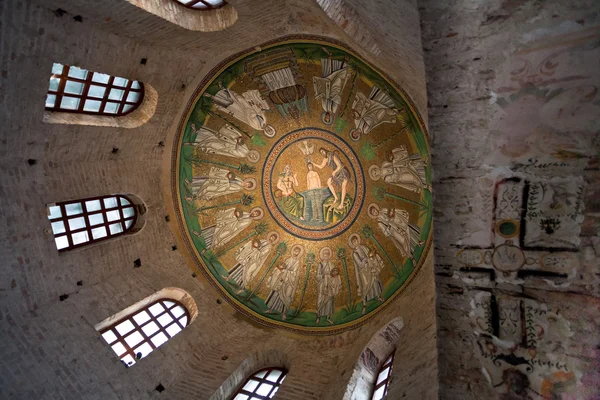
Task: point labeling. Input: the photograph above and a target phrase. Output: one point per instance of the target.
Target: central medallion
(313, 184)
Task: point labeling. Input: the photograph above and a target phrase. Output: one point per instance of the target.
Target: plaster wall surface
(50, 348)
(513, 108)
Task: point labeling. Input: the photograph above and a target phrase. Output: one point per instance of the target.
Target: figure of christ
(405, 171)
(291, 201)
(229, 223)
(226, 142)
(395, 225)
(248, 108)
(329, 87)
(250, 258)
(340, 175)
(283, 283)
(367, 266)
(370, 112)
(219, 182)
(329, 284)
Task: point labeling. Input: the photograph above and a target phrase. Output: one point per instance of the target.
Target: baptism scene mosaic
(303, 183)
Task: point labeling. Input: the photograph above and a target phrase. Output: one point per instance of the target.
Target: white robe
(248, 108)
(250, 259)
(224, 142)
(405, 171)
(283, 283)
(327, 288)
(329, 88)
(373, 111)
(217, 184)
(228, 226)
(367, 270)
(404, 236)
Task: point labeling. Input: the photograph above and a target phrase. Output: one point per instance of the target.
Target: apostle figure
(229, 223)
(219, 182)
(402, 170)
(371, 112)
(395, 225)
(228, 141)
(330, 86)
(250, 257)
(291, 201)
(249, 108)
(329, 284)
(283, 283)
(367, 266)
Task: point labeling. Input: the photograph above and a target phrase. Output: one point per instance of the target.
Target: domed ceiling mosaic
(302, 178)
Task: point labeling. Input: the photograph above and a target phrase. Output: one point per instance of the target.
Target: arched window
(77, 90)
(138, 334)
(79, 222)
(202, 4)
(262, 385)
(383, 378)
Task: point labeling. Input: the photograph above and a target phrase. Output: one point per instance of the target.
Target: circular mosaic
(302, 179)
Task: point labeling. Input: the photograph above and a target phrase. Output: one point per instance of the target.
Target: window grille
(77, 90)
(262, 385)
(383, 378)
(202, 4)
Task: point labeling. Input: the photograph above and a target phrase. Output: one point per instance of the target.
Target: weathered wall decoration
(303, 182)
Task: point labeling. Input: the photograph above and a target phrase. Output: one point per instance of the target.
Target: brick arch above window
(80, 222)
(141, 328)
(220, 16)
(82, 97)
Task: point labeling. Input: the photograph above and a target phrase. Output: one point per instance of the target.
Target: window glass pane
(200, 6)
(76, 72)
(274, 391)
(127, 107)
(61, 242)
(58, 227)
(241, 397)
(261, 374)
(124, 327)
(109, 336)
(383, 375)
(96, 219)
(150, 328)
(214, 2)
(118, 348)
(168, 304)
(100, 78)
(274, 375)
(92, 105)
(165, 319)
(116, 228)
(73, 208)
(141, 317)
(54, 84)
(127, 359)
(113, 216)
(251, 385)
(57, 68)
(115, 94)
(156, 309)
(378, 395)
(76, 223)
(80, 237)
(110, 202)
(145, 349)
(134, 339)
(173, 330)
(111, 108)
(135, 85)
(128, 223)
(93, 205)
(54, 212)
(264, 389)
(50, 100)
(183, 321)
(124, 201)
(133, 97)
(69, 103)
(159, 339)
(96, 91)
(120, 81)
(128, 212)
(177, 311)
(99, 233)
(74, 87)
